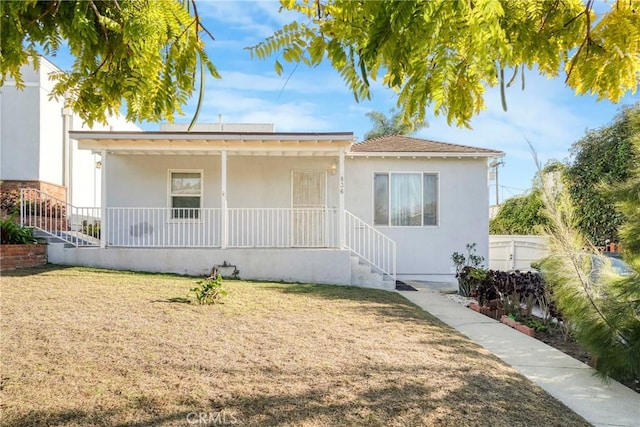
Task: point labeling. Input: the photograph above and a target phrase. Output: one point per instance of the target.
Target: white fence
(282, 228)
(208, 228)
(515, 252)
(245, 227)
(163, 227)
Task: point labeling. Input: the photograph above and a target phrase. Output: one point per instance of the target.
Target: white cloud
(258, 19)
(301, 82)
(287, 116)
(547, 114)
(537, 115)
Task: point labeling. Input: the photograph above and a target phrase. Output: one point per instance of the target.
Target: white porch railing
(79, 226)
(205, 227)
(282, 228)
(246, 227)
(370, 245)
(163, 227)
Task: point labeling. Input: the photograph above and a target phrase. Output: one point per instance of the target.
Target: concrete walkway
(563, 377)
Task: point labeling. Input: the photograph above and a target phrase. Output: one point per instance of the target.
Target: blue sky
(315, 99)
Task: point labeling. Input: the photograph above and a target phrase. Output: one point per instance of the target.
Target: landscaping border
(13, 257)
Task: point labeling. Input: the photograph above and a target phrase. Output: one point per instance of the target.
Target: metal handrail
(78, 226)
(370, 245)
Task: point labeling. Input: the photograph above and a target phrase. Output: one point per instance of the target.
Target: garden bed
(524, 302)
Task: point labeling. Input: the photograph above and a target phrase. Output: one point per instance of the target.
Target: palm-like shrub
(603, 307)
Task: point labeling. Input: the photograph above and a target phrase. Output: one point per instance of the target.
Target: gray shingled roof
(407, 144)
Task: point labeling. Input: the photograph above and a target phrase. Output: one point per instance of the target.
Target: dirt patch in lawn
(96, 347)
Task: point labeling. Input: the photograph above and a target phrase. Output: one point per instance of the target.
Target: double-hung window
(185, 194)
(405, 199)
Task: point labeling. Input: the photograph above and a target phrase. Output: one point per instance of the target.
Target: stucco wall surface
(425, 252)
(327, 266)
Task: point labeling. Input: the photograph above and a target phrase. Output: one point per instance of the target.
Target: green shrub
(209, 290)
(91, 229)
(603, 309)
(470, 279)
(14, 234)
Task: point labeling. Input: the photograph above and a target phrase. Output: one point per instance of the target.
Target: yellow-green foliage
(604, 307)
(392, 125)
(443, 54)
(145, 54)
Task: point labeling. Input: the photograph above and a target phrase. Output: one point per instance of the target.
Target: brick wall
(54, 190)
(22, 256)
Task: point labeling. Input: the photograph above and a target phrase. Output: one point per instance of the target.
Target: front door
(309, 202)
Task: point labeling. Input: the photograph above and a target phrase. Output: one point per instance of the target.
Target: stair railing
(370, 245)
(78, 226)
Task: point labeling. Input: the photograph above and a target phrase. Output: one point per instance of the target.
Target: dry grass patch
(83, 346)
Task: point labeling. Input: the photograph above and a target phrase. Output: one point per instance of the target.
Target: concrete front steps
(49, 238)
(82, 239)
(363, 275)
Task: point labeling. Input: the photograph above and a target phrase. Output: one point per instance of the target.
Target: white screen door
(309, 202)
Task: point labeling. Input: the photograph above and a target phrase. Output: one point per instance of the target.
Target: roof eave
(427, 154)
(217, 136)
(210, 142)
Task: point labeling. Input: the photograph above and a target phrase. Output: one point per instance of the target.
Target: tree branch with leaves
(442, 55)
(143, 55)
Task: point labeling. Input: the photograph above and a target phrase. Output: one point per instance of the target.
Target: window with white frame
(405, 199)
(185, 194)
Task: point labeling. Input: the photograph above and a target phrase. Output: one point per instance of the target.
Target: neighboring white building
(35, 150)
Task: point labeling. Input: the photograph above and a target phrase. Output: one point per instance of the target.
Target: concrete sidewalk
(563, 377)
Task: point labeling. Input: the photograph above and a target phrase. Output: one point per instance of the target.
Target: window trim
(422, 174)
(170, 218)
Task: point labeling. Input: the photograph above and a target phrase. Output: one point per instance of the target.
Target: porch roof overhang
(214, 143)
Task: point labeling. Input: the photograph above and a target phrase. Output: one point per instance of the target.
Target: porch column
(341, 219)
(223, 199)
(103, 200)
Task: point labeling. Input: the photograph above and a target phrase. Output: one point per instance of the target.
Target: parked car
(618, 266)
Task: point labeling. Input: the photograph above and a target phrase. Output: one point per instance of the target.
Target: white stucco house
(296, 207)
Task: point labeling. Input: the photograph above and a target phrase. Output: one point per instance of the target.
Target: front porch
(277, 244)
(221, 228)
(271, 203)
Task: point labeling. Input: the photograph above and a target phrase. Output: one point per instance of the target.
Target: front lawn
(82, 346)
